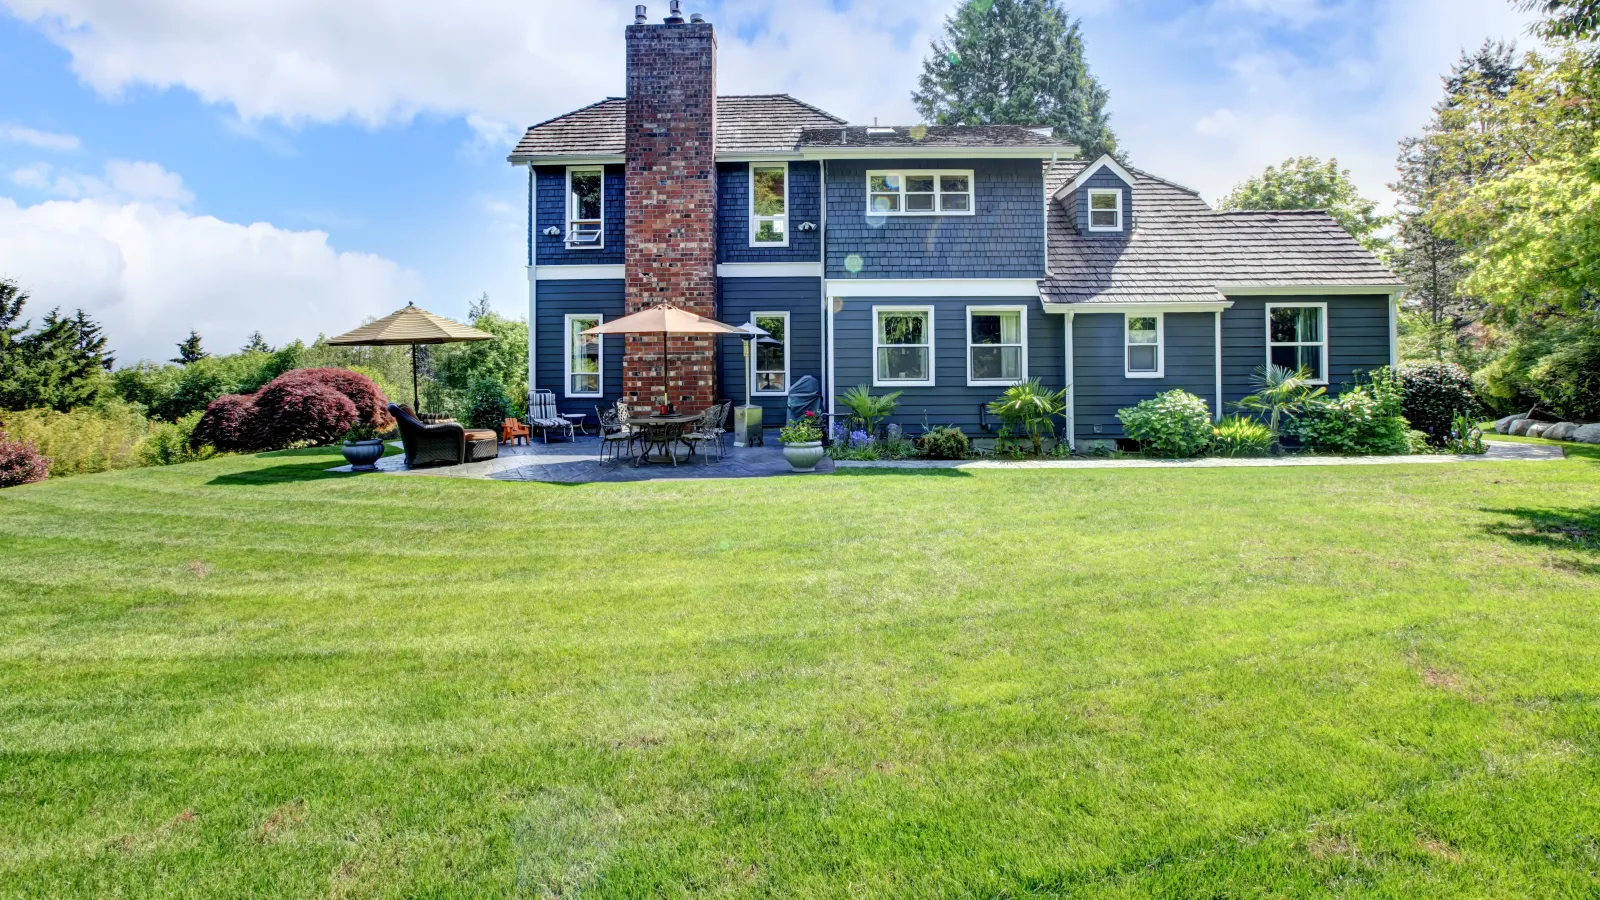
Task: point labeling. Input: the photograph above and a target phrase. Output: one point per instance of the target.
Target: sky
(299, 166)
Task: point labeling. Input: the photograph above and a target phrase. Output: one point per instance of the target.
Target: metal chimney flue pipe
(675, 16)
(640, 15)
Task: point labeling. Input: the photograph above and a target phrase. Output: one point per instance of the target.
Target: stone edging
(1498, 452)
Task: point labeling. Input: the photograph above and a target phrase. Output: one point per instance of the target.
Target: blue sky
(295, 166)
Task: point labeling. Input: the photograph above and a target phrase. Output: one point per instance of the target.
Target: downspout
(1394, 330)
(1072, 391)
(533, 284)
(827, 303)
(1216, 327)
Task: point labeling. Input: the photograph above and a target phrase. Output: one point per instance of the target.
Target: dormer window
(586, 208)
(1105, 210)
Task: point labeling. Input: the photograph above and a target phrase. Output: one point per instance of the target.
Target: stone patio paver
(577, 462)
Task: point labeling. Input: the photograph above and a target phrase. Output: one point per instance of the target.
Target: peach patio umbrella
(666, 319)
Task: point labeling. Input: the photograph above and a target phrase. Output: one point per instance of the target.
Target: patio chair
(615, 437)
(543, 415)
(512, 431)
(708, 431)
(444, 443)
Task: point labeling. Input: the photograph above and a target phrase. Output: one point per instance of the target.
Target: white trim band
(578, 272)
(934, 287)
(769, 270)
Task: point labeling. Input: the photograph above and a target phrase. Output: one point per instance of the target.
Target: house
(945, 262)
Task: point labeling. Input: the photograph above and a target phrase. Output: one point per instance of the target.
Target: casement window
(997, 345)
(582, 353)
(902, 346)
(1144, 346)
(769, 205)
(1297, 337)
(920, 192)
(772, 360)
(586, 208)
(1105, 210)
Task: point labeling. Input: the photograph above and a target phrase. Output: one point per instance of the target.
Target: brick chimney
(671, 247)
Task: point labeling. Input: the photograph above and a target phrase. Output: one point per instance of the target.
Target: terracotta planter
(803, 457)
(363, 455)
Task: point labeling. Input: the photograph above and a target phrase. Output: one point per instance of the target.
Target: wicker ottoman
(482, 444)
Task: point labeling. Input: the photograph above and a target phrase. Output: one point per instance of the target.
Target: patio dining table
(659, 435)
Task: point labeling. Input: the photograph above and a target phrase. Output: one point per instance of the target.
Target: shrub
(487, 404)
(168, 443)
(86, 440)
(1363, 420)
(1567, 381)
(1030, 410)
(21, 462)
(1241, 436)
(1173, 424)
(868, 408)
(945, 442)
(1433, 394)
(227, 425)
(372, 407)
(1280, 393)
(298, 411)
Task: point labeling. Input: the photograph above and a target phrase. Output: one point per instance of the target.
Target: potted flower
(802, 442)
(362, 448)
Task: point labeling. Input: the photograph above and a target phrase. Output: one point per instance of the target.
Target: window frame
(571, 210)
(754, 220)
(1327, 361)
(566, 357)
(1022, 311)
(1161, 345)
(788, 380)
(878, 381)
(1115, 192)
(971, 193)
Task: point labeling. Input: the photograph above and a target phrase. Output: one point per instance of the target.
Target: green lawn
(249, 677)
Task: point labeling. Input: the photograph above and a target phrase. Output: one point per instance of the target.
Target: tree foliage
(1015, 62)
(1306, 182)
(62, 364)
(1575, 19)
(189, 349)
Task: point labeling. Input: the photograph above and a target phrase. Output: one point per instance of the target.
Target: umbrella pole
(414, 404)
(666, 373)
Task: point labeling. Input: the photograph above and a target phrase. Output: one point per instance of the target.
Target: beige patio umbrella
(666, 319)
(412, 325)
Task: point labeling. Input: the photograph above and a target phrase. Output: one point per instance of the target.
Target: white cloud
(151, 273)
(123, 181)
(39, 140)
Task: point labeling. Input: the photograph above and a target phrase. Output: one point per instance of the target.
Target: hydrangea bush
(1173, 424)
(1365, 419)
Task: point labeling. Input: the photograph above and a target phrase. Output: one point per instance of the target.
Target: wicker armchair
(708, 431)
(445, 443)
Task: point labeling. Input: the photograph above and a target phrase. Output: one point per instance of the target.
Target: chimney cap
(640, 15)
(696, 19)
(675, 12)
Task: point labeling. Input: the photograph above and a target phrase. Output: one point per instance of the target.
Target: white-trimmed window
(769, 205)
(586, 207)
(997, 345)
(583, 354)
(771, 360)
(1297, 337)
(920, 192)
(1144, 345)
(1105, 209)
(902, 346)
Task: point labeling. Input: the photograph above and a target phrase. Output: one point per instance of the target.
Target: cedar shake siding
(671, 204)
(550, 199)
(733, 216)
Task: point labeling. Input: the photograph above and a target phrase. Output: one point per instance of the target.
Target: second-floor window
(769, 205)
(1105, 210)
(586, 208)
(920, 192)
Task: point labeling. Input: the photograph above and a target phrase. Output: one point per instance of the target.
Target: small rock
(1561, 431)
(1503, 426)
(1587, 434)
(1521, 426)
(1537, 429)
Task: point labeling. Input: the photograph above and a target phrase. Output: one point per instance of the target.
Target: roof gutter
(1089, 307)
(897, 151)
(566, 159)
(1306, 290)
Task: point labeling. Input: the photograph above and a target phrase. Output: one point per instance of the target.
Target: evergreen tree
(1015, 62)
(1307, 182)
(189, 350)
(256, 344)
(62, 365)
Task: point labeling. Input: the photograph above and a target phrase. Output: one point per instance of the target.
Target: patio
(578, 462)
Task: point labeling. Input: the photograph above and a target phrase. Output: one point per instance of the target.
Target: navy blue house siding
(801, 298)
(551, 209)
(1100, 385)
(733, 215)
(1003, 238)
(556, 299)
(950, 401)
(1358, 339)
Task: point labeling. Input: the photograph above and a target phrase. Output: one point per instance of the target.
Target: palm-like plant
(870, 409)
(1280, 392)
(1033, 408)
